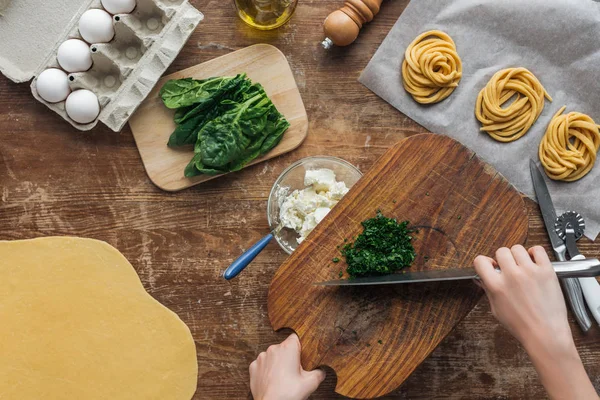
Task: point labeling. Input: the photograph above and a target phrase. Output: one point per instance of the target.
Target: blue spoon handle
(242, 262)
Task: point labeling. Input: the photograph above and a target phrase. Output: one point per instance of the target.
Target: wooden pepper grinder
(342, 26)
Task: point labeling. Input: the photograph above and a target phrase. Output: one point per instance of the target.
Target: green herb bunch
(383, 247)
(229, 120)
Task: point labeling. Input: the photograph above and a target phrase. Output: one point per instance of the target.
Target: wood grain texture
(55, 180)
(152, 124)
(374, 338)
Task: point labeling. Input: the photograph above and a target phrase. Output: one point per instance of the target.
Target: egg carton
(124, 70)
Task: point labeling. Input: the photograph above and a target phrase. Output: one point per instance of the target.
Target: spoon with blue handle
(246, 258)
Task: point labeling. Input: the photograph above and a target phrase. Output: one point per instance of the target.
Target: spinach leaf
(202, 93)
(190, 169)
(186, 133)
(275, 134)
(242, 92)
(195, 167)
(180, 114)
(270, 137)
(221, 141)
(251, 153)
(253, 120)
(230, 120)
(182, 92)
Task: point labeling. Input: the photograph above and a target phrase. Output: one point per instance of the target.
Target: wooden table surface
(55, 180)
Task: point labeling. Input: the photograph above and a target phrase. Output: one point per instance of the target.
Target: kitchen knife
(572, 286)
(564, 269)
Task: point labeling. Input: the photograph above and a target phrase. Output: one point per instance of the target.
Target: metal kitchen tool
(564, 269)
(571, 286)
(570, 217)
(572, 226)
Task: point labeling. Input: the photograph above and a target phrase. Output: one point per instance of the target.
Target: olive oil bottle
(265, 14)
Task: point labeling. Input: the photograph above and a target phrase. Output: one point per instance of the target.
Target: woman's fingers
(313, 379)
(540, 257)
(479, 282)
(484, 266)
(506, 260)
(494, 263)
(521, 256)
(292, 346)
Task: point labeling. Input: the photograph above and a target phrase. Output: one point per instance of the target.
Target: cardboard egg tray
(124, 70)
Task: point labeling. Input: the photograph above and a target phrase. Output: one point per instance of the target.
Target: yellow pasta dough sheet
(76, 323)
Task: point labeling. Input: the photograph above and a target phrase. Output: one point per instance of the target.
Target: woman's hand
(525, 297)
(278, 375)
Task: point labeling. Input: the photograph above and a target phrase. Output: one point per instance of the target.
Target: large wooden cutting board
(152, 123)
(374, 337)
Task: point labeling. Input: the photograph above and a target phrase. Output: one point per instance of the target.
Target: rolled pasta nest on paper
(432, 68)
(570, 145)
(525, 97)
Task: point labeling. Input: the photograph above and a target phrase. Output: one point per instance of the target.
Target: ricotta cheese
(303, 209)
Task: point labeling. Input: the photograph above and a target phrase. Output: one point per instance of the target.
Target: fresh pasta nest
(509, 123)
(431, 68)
(569, 148)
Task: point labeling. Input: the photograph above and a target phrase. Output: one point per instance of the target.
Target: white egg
(96, 26)
(53, 85)
(82, 106)
(74, 56)
(118, 6)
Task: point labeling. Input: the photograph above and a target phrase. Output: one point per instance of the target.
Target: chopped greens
(229, 120)
(383, 247)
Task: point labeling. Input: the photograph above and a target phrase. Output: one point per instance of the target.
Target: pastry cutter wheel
(570, 227)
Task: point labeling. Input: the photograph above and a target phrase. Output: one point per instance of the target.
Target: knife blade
(582, 268)
(546, 207)
(572, 287)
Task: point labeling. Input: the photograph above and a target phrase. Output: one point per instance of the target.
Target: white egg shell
(118, 6)
(74, 56)
(96, 26)
(82, 106)
(53, 85)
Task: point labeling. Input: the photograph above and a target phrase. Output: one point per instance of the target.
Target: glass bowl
(293, 178)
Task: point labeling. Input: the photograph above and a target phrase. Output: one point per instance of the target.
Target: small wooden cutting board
(374, 337)
(152, 124)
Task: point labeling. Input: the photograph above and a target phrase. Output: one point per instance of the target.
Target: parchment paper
(558, 40)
